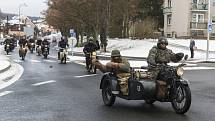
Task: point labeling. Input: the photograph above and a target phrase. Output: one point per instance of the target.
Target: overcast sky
(34, 7)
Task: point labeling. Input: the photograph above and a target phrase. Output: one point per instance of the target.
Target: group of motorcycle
(23, 49)
(175, 89)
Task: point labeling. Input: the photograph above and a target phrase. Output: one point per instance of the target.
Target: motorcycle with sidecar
(175, 89)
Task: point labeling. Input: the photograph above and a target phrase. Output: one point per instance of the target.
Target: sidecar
(143, 89)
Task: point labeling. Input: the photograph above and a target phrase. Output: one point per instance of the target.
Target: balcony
(167, 10)
(199, 7)
(198, 25)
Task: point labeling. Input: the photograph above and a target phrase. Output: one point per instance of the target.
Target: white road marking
(5, 93)
(51, 61)
(18, 61)
(80, 63)
(51, 56)
(35, 61)
(85, 76)
(199, 68)
(41, 83)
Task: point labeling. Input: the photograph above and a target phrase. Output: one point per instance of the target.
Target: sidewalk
(9, 71)
(140, 49)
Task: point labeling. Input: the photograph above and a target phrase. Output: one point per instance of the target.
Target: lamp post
(209, 27)
(21, 5)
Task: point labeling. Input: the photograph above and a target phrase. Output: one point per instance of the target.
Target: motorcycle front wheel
(23, 57)
(107, 96)
(7, 52)
(93, 69)
(65, 59)
(182, 101)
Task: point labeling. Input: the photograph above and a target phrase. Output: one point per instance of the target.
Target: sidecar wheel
(108, 97)
(182, 101)
(149, 101)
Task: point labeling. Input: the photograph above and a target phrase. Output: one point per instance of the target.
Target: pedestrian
(192, 47)
(97, 45)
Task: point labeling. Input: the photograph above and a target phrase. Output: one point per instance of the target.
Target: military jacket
(160, 56)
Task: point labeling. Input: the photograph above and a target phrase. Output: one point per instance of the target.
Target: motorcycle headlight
(180, 71)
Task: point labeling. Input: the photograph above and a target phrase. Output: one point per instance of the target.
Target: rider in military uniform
(121, 68)
(160, 55)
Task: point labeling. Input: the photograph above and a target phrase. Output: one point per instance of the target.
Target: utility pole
(209, 28)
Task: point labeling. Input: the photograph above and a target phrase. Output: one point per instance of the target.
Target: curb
(7, 67)
(5, 82)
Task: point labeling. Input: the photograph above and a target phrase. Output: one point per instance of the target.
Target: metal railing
(167, 10)
(198, 25)
(196, 6)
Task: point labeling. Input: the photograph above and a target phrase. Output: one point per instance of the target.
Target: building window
(198, 17)
(169, 19)
(195, 1)
(213, 19)
(169, 3)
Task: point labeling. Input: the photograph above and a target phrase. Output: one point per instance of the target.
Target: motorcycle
(45, 51)
(91, 67)
(175, 89)
(31, 47)
(22, 51)
(7, 48)
(39, 50)
(63, 55)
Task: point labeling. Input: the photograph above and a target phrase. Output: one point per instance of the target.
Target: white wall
(180, 17)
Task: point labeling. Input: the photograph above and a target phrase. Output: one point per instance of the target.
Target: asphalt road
(49, 91)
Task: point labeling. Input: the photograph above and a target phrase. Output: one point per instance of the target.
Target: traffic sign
(209, 27)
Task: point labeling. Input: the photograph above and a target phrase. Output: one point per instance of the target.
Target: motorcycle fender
(104, 82)
(61, 55)
(107, 79)
(184, 82)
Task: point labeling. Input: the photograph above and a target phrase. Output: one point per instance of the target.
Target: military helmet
(162, 40)
(91, 39)
(115, 53)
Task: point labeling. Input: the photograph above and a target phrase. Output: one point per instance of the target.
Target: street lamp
(21, 5)
(209, 27)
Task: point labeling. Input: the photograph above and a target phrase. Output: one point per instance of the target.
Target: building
(20, 28)
(185, 18)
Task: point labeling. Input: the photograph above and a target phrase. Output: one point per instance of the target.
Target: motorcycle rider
(62, 44)
(45, 42)
(22, 43)
(7, 41)
(31, 40)
(88, 49)
(121, 68)
(158, 56)
(39, 42)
